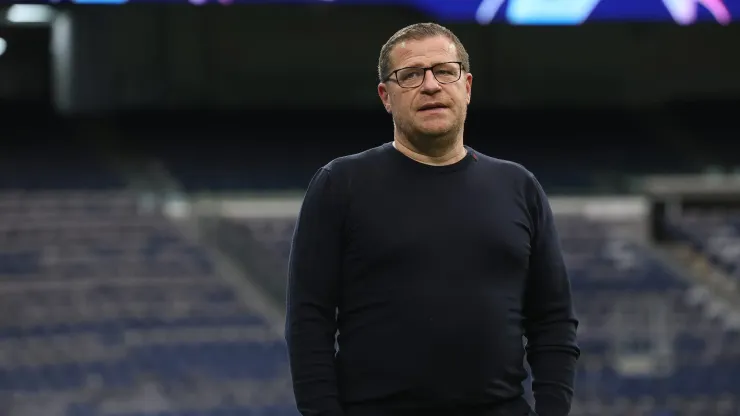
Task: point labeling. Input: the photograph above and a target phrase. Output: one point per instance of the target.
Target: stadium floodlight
(30, 13)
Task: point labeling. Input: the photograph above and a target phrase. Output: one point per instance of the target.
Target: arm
(313, 277)
(550, 322)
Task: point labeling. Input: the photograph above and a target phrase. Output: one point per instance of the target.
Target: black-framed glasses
(412, 77)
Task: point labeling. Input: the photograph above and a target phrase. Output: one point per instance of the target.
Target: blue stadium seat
(107, 298)
(715, 233)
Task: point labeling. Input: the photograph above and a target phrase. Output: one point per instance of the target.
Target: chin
(435, 130)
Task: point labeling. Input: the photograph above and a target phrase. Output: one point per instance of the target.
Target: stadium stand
(43, 153)
(705, 121)
(108, 310)
(713, 232)
(568, 150)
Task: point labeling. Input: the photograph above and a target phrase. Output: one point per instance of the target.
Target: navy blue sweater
(431, 275)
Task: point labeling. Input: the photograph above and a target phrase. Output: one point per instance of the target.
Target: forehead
(423, 52)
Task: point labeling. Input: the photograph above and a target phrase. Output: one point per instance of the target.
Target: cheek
(401, 103)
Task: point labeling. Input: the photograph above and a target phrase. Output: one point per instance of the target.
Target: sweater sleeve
(313, 276)
(550, 321)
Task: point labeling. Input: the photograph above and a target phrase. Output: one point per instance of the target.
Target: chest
(440, 229)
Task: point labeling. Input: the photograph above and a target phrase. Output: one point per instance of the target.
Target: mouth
(432, 106)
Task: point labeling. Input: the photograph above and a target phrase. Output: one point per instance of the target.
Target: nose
(430, 84)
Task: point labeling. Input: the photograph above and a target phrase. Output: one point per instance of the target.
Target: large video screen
(530, 12)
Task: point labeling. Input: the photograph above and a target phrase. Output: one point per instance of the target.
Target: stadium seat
(100, 297)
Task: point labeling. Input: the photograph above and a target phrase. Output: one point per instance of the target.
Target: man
(431, 260)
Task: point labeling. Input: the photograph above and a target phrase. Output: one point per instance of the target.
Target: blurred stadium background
(153, 159)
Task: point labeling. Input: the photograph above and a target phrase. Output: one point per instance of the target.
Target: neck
(448, 155)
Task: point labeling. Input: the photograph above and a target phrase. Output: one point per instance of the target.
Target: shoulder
(340, 173)
(506, 170)
(347, 169)
(517, 179)
(347, 164)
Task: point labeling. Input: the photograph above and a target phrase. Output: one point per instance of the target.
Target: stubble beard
(430, 144)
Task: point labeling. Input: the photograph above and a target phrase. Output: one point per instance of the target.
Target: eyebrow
(416, 64)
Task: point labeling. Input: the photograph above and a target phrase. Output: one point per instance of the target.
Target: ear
(385, 96)
(468, 85)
